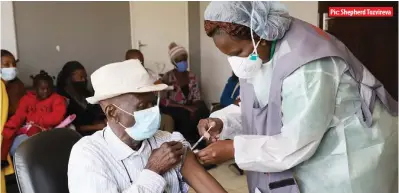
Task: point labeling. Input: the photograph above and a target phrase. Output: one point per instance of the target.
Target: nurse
(313, 118)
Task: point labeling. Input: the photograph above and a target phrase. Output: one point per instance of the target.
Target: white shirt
(103, 163)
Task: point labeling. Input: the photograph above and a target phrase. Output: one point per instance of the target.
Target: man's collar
(117, 147)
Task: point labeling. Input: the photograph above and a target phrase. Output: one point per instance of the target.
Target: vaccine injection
(202, 137)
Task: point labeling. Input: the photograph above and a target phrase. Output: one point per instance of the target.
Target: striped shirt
(102, 163)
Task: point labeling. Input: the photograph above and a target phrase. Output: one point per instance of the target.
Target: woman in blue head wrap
(313, 119)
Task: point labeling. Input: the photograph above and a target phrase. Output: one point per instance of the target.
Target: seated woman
(38, 111)
(6, 167)
(72, 84)
(15, 87)
(183, 103)
(12, 90)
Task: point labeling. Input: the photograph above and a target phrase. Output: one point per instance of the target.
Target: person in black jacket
(72, 84)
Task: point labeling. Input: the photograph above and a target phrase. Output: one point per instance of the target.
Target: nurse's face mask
(246, 67)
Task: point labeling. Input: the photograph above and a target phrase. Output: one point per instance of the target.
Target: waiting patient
(12, 90)
(38, 111)
(72, 83)
(130, 154)
(9, 75)
(183, 103)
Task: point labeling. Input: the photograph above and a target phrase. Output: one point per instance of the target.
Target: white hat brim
(153, 88)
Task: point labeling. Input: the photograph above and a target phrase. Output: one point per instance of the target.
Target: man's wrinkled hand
(165, 157)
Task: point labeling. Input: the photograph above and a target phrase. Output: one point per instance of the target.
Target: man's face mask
(147, 123)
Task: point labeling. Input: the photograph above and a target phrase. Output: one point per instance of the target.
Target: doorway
(374, 41)
(154, 26)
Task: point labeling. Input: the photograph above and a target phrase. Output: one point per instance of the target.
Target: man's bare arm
(198, 178)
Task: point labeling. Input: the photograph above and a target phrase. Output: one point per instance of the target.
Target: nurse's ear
(264, 50)
(263, 43)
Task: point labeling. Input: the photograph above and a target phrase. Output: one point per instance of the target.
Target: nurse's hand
(213, 134)
(217, 153)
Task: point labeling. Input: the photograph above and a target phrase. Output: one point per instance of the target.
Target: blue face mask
(182, 66)
(147, 123)
(8, 74)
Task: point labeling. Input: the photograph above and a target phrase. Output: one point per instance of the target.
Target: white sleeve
(86, 175)
(231, 118)
(308, 107)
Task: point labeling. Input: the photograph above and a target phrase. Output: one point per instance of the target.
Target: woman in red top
(39, 110)
(183, 103)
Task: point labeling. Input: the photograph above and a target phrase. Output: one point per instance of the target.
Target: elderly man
(131, 155)
(167, 122)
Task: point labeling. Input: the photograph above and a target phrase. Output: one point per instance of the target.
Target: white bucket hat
(120, 78)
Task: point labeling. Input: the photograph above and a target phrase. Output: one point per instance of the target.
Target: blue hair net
(270, 19)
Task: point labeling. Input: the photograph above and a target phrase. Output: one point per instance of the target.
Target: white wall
(304, 10)
(97, 33)
(157, 24)
(214, 66)
(8, 37)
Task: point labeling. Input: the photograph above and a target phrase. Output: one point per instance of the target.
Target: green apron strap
(273, 48)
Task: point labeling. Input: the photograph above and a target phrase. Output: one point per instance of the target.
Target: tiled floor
(229, 180)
